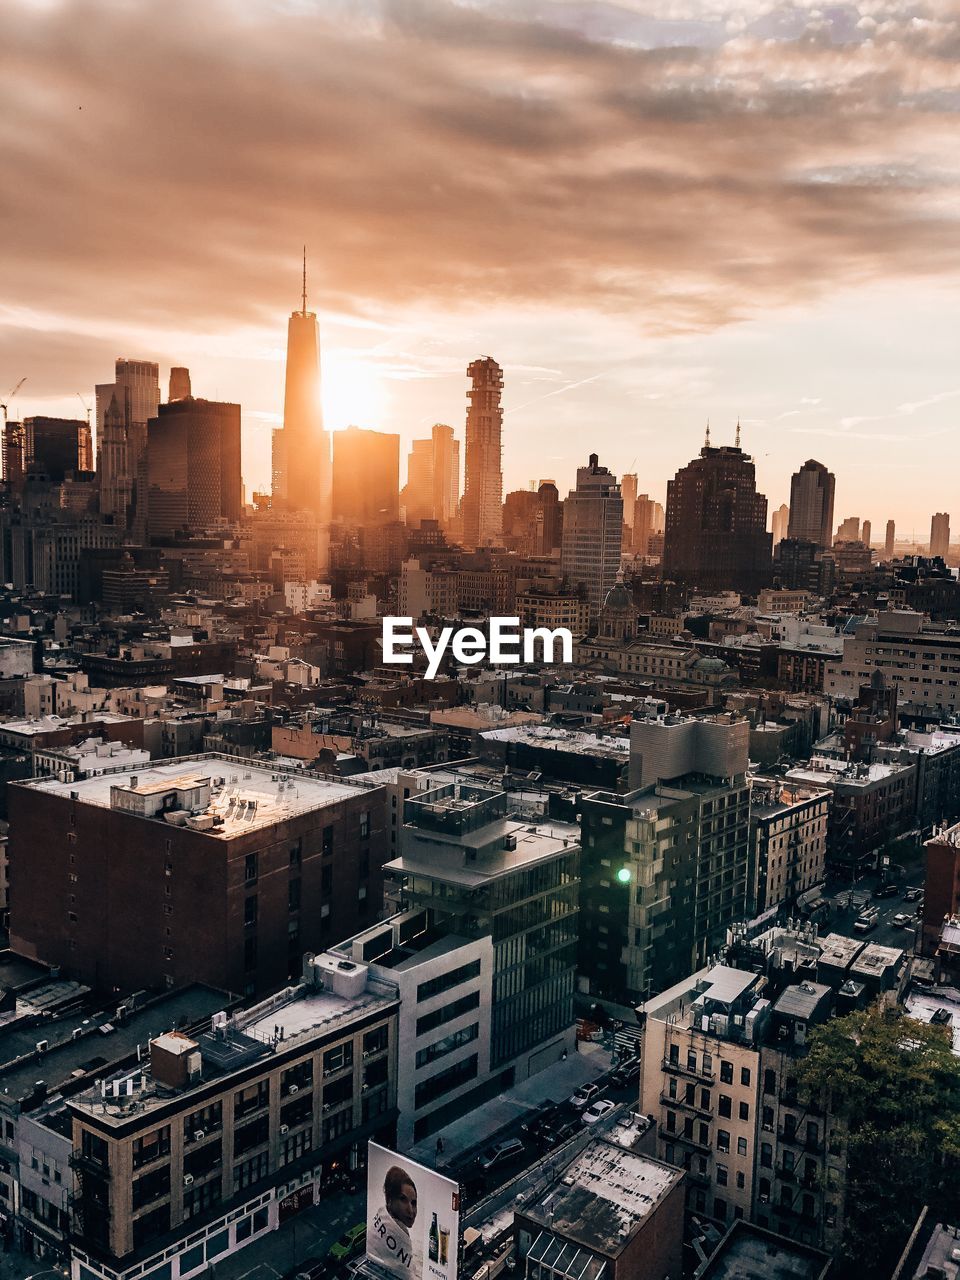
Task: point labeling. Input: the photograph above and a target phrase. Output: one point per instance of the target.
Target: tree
(895, 1085)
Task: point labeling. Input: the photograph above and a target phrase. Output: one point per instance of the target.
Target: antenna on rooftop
(304, 295)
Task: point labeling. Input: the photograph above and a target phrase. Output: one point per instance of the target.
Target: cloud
(163, 164)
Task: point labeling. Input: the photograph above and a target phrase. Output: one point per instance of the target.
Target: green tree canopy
(895, 1084)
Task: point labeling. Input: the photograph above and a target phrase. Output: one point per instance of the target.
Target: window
(726, 1072)
(151, 1186)
(444, 982)
(253, 1098)
(326, 880)
(251, 867)
(327, 841)
(253, 1134)
(447, 1012)
(297, 1077)
(744, 1110)
(296, 854)
(745, 1075)
(376, 1041)
(296, 1145)
(704, 1099)
(338, 1058)
(721, 1175)
(336, 1126)
(250, 910)
(720, 1209)
(293, 896)
(206, 1120)
(741, 1146)
(151, 1147)
(741, 1180)
(198, 1199)
(445, 1081)
(250, 953)
(723, 1140)
(767, 1119)
(725, 1106)
(249, 1172)
(691, 1059)
(364, 824)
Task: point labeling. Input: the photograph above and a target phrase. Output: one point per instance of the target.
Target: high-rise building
(14, 454)
(848, 530)
(628, 488)
(520, 510)
(593, 532)
(779, 523)
(432, 491)
(52, 446)
(644, 520)
(866, 532)
(549, 518)
(716, 524)
(366, 477)
(483, 478)
(889, 540)
(124, 407)
(179, 383)
(811, 504)
(301, 450)
(940, 535)
(193, 467)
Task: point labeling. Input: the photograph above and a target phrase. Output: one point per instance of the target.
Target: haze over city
(733, 211)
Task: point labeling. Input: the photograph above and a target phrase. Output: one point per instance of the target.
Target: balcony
(688, 1140)
(687, 1106)
(87, 1164)
(681, 1069)
(793, 1138)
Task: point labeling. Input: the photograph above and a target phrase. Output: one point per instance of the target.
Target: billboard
(413, 1217)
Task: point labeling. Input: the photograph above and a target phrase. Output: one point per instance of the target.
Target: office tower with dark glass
(483, 477)
(811, 504)
(193, 467)
(301, 450)
(52, 446)
(940, 534)
(716, 526)
(593, 533)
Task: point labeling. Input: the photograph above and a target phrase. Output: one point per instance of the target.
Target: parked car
(912, 894)
(586, 1094)
(559, 1131)
(903, 921)
(886, 891)
(626, 1073)
(350, 1244)
(540, 1119)
(597, 1110)
(500, 1154)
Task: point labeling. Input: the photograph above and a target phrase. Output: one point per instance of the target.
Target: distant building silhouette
(193, 467)
(301, 450)
(366, 477)
(179, 384)
(811, 504)
(52, 446)
(779, 523)
(593, 533)
(716, 527)
(124, 407)
(483, 477)
(432, 491)
(889, 540)
(940, 534)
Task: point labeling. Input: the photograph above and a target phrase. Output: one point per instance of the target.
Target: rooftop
(571, 740)
(747, 1252)
(603, 1196)
(936, 1004)
(216, 794)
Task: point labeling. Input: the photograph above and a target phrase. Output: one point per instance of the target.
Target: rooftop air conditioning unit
(188, 1179)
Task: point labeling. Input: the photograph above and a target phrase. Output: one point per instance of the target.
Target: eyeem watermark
(505, 643)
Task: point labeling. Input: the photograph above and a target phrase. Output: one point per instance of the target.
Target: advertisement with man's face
(413, 1217)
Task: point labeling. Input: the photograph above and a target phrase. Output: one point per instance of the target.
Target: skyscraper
(549, 518)
(866, 532)
(124, 408)
(193, 467)
(644, 520)
(52, 446)
(301, 457)
(780, 522)
(889, 540)
(716, 527)
(432, 491)
(179, 383)
(483, 478)
(628, 488)
(940, 534)
(848, 530)
(366, 477)
(811, 504)
(593, 532)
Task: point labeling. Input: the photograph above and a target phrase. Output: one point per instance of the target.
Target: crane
(86, 406)
(10, 396)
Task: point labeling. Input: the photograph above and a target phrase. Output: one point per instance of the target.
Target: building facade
(483, 477)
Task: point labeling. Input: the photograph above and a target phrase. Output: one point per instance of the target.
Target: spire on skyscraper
(706, 439)
(303, 309)
(737, 439)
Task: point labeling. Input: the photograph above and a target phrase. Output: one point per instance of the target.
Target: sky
(651, 213)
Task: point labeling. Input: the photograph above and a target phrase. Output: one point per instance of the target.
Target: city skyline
(811, 294)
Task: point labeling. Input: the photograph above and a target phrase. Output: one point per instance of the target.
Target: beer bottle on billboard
(434, 1248)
